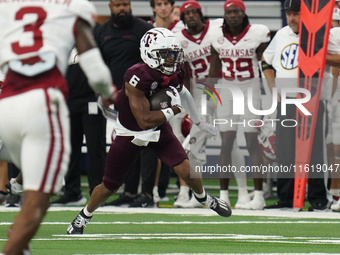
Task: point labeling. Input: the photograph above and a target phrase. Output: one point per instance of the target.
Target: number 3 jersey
(238, 54)
(30, 28)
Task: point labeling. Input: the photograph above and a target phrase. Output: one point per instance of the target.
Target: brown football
(160, 100)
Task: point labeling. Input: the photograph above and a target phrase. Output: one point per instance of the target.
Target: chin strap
(167, 79)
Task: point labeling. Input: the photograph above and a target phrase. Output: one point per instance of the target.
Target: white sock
(258, 194)
(334, 192)
(242, 192)
(265, 187)
(184, 191)
(224, 195)
(202, 195)
(155, 191)
(87, 213)
(241, 183)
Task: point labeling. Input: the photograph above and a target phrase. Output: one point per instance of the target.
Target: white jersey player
(36, 38)
(239, 59)
(236, 48)
(196, 43)
(334, 119)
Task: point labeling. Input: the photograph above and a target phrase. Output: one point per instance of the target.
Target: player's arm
(140, 108)
(215, 64)
(186, 80)
(333, 60)
(260, 50)
(90, 60)
(335, 74)
(189, 105)
(269, 73)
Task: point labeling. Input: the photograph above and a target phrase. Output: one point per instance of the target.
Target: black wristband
(266, 66)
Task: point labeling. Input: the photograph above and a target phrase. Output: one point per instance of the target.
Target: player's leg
(228, 139)
(228, 135)
(72, 192)
(42, 154)
(335, 174)
(241, 177)
(3, 181)
(258, 202)
(171, 152)
(121, 156)
(253, 148)
(194, 145)
(27, 222)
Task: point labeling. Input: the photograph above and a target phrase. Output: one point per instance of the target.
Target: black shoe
(67, 200)
(142, 200)
(12, 201)
(279, 205)
(3, 196)
(78, 224)
(318, 207)
(121, 200)
(217, 205)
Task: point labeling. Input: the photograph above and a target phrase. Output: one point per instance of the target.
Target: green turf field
(147, 233)
(167, 230)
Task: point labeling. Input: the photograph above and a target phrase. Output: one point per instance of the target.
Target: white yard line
(197, 211)
(186, 222)
(223, 254)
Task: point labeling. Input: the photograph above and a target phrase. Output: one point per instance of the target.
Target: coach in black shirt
(119, 39)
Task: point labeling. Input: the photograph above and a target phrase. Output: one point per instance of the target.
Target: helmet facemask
(169, 60)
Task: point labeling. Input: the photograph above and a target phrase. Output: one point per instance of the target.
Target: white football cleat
(255, 204)
(182, 200)
(193, 203)
(336, 206)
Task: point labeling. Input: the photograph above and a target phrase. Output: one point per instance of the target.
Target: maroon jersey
(148, 80)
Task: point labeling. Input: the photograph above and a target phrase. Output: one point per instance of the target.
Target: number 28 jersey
(31, 27)
(238, 54)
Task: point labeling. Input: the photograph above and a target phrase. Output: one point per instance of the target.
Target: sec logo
(289, 56)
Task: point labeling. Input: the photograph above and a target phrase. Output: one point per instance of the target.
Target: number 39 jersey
(29, 28)
(238, 54)
(197, 50)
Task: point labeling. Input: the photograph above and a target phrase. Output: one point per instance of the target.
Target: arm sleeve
(189, 104)
(265, 34)
(269, 53)
(333, 43)
(97, 73)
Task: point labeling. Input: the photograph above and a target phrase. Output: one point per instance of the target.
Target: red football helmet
(266, 139)
(186, 125)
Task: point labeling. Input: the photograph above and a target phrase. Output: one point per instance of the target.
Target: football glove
(207, 128)
(175, 98)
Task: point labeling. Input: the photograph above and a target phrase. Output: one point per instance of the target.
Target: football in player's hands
(160, 100)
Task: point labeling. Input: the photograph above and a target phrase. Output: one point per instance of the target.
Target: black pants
(13, 171)
(285, 146)
(94, 128)
(144, 167)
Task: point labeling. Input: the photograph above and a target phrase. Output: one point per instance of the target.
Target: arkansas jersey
(148, 80)
(30, 28)
(238, 54)
(177, 26)
(197, 50)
